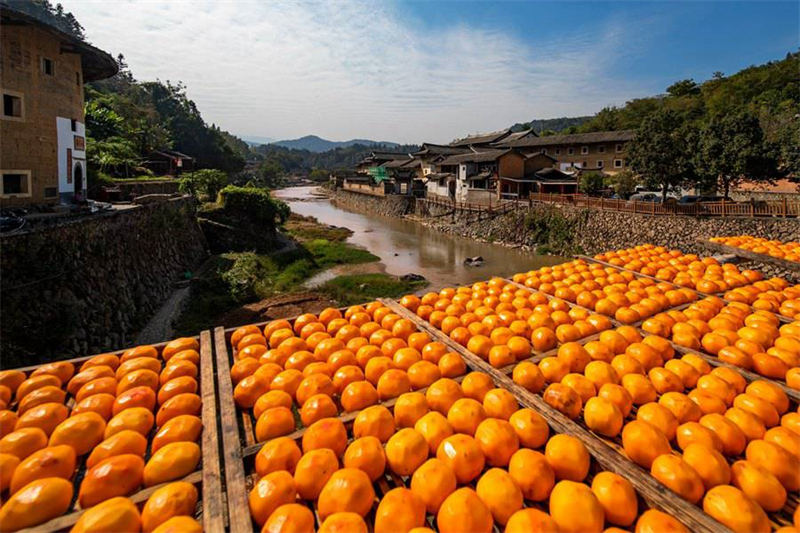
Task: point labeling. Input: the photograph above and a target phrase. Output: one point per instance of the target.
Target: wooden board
(750, 255)
(653, 492)
(235, 485)
(211, 495)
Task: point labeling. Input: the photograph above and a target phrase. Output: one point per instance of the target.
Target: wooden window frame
(26, 173)
(15, 94)
(44, 61)
(584, 150)
(620, 165)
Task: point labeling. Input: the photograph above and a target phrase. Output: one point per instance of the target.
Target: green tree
(270, 174)
(661, 151)
(318, 174)
(732, 150)
(205, 184)
(623, 183)
(683, 88)
(591, 183)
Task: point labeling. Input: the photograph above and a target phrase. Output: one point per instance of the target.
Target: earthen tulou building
(42, 131)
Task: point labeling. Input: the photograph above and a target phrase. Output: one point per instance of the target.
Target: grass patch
(309, 229)
(357, 288)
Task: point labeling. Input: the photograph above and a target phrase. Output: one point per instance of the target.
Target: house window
(78, 79)
(16, 183)
(619, 148)
(544, 151)
(618, 163)
(570, 151)
(47, 66)
(73, 124)
(558, 151)
(584, 150)
(601, 149)
(599, 163)
(584, 165)
(12, 105)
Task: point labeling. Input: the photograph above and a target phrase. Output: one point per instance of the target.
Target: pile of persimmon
(331, 363)
(775, 248)
(116, 402)
(774, 295)
(711, 416)
(687, 270)
(736, 334)
(606, 290)
(465, 454)
(503, 323)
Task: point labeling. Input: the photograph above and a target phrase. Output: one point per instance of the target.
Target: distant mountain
(254, 140)
(551, 124)
(312, 143)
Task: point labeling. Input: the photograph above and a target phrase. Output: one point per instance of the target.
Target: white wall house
(71, 159)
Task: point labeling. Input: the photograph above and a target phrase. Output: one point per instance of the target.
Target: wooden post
(602, 207)
(653, 210)
(752, 208)
(634, 206)
(723, 207)
(784, 207)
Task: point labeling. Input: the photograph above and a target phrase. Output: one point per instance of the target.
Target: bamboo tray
(238, 454)
(211, 508)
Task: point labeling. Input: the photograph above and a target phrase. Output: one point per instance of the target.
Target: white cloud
(349, 69)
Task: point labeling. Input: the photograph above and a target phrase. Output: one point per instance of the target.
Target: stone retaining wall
(89, 285)
(392, 205)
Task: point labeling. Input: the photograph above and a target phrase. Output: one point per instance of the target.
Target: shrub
(204, 184)
(591, 183)
(256, 204)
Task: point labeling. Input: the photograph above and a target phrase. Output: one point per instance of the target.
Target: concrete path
(160, 326)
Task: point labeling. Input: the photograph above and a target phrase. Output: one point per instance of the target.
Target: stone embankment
(89, 285)
(567, 230)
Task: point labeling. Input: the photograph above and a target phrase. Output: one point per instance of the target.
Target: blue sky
(410, 71)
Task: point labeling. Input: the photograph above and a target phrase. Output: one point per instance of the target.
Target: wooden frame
(238, 456)
(206, 478)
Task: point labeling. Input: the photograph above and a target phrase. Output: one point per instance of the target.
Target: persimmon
(138, 378)
(603, 417)
(564, 399)
(316, 408)
(289, 517)
(497, 440)
(173, 461)
(53, 394)
(82, 432)
(45, 417)
(347, 490)
(312, 471)
(399, 510)
(684, 409)
(36, 503)
(678, 476)
(175, 499)
(434, 428)
(731, 507)
(135, 397)
(752, 426)
(499, 492)
(617, 497)
(463, 454)
(655, 521)
(177, 386)
(527, 375)
(531, 520)
(405, 451)
(118, 475)
(643, 442)
(775, 460)
(442, 393)
(115, 514)
(124, 442)
(575, 508)
(281, 453)
(343, 522)
(452, 365)
(432, 482)
(248, 390)
(409, 408)
(180, 428)
(553, 369)
(50, 462)
(568, 457)
(759, 485)
(639, 388)
(463, 510)
(358, 395)
(269, 493)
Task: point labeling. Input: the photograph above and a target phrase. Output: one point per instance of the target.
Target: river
(408, 247)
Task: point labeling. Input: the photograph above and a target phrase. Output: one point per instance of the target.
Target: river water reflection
(408, 247)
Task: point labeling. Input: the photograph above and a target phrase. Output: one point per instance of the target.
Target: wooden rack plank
(235, 483)
(213, 507)
(653, 492)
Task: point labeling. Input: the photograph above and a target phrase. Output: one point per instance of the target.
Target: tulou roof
(483, 156)
(575, 138)
(517, 136)
(95, 63)
(555, 175)
(482, 138)
(439, 149)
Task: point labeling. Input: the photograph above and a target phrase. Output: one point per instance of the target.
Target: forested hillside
(313, 143)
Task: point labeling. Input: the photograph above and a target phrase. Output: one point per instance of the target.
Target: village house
(43, 149)
(602, 151)
(169, 163)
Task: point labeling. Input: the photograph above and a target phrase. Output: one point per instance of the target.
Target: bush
(591, 183)
(255, 204)
(204, 184)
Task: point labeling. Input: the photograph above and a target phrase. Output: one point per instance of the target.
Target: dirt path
(160, 326)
